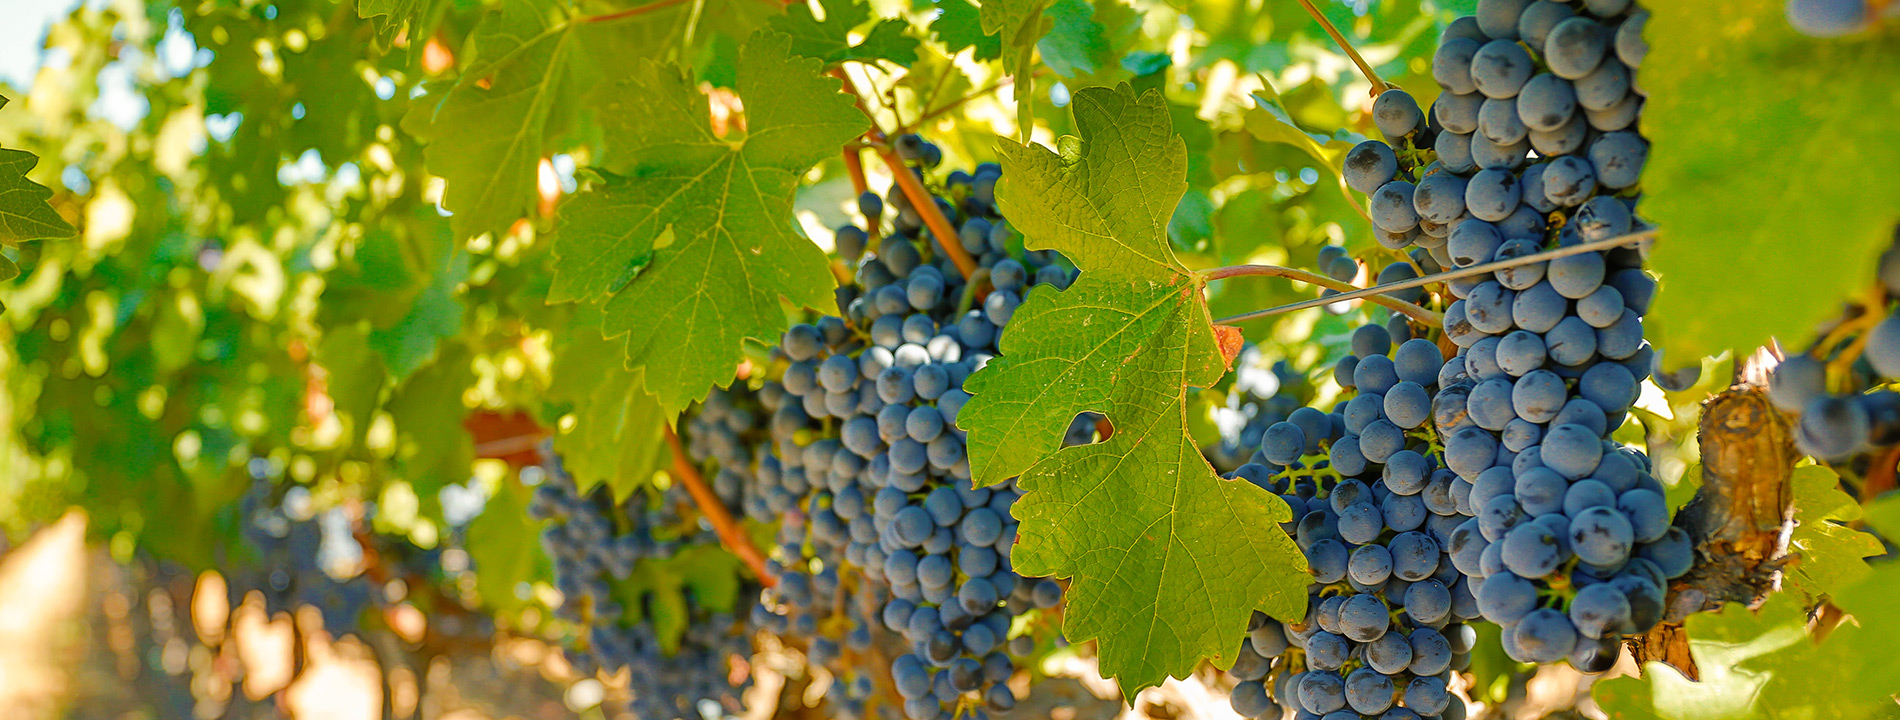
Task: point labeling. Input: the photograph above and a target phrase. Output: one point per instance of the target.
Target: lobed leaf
(1166, 558)
(692, 248)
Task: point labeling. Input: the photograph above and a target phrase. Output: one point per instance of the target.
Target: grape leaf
(1764, 663)
(1832, 551)
(504, 543)
(1019, 25)
(657, 590)
(24, 212)
(432, 447)
(488, 133)
(1085, 39)
(1749, 119)
(958, 25)
(693, 246)
(354, 375)
(618, 432)
(830, 39)
(1166, 557)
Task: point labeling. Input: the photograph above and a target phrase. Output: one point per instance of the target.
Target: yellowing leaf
(1167, 561)
(693, 247)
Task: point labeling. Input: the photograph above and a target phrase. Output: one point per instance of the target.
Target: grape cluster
(1534, 145)
(1262, 392)
(1373, 510)
(1839, 427)
(291, 539)
(594, 543)
(882, 531)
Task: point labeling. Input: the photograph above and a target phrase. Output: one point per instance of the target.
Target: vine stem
(631, 12)
(1414, 311)
(913, 188)
(730, 534)
(1378, 86)
(1378, 290)
(959, 102)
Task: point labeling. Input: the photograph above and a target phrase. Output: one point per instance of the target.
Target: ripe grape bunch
(883, 535)
(1386, 612)
(596, 544)
(291, 540)
(1839, 427)
(1534, 145)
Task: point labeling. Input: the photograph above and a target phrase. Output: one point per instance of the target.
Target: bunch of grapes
(595, 544)
(1261, 392)
(1838, 427)
(883, 535)
(292, 542)
(1533, 146)
(1373, 510)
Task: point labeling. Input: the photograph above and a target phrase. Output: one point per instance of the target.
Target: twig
(1418, 313)
(1378, 86)
(730, 534)
(629, 12)
(926, 206)
(854, 166)
(954, 104)
(1474, 270)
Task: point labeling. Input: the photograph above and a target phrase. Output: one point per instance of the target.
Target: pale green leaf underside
(1167, 561)
(1769, 148)
(693, 247)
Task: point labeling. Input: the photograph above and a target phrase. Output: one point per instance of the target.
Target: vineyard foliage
(387, 252)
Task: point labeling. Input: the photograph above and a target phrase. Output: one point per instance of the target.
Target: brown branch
(1378, 86)
(730, 534)
(1740, 518)
(1431, 319)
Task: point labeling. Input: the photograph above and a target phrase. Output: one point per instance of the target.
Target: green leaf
(1768, 147)
(618, 433)
(432, 448)
(1832, 554)
(354, 375)
(1269, 121)
(958, 25)
(1019, 25)
(830, 40)
(505, 544)
(1085, 39)
(658, 590)
(490, 132)
(1167, 559)
(1765, 664)
(24, 212)
(436, 314)
(693, 247)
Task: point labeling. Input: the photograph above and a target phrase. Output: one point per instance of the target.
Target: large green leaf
(959, 25)
(693, 246)
(1770, 171)
(1167, 560)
